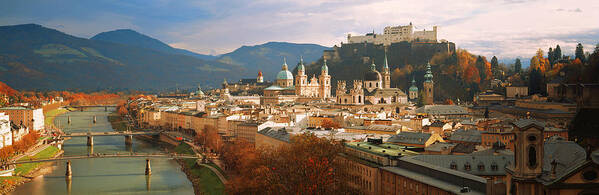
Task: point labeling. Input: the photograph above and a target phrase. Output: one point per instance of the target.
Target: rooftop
(381, 149)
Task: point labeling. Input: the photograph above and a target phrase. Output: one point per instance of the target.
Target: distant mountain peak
(137, 39)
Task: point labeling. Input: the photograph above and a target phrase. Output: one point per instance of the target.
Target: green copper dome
(301, 67)
(325, 67)
(284, 74)
(413, 87)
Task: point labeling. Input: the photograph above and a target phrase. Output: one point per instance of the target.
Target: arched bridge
(117, 155)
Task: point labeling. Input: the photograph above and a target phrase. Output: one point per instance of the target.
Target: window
(453, 166)
(494, 166)
(481, 166)
(532, 138)
(377, 84)
(369, 84)
(532, 157)
(467, 166)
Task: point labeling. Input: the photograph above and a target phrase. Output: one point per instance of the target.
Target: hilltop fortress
(396, 34)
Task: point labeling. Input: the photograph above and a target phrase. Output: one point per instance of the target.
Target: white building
(396, 34)
(5, 135)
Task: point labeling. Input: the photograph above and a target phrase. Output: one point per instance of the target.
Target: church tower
(260, 78)
(413, 91)
(301, 80)
(528, 157)
(428, 85)
(386, 74)
(325, 81)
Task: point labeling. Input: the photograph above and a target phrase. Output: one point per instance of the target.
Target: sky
(505, 28)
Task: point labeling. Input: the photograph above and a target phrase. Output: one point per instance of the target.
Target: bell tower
(428, 85)
(325, 81)
(301, 80)
(528, 157)
(386, 74)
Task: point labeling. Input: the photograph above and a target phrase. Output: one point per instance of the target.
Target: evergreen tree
(420, 102)
(557, 53)
(551, 57)
(518, 65)
(480, 65)
(535, 81)
(579, 53)
(495, 67)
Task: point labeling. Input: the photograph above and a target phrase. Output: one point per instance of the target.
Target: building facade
(31, 118)
(396, 34)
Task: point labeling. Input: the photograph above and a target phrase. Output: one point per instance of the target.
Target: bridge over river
(69, 170)
(90, 135)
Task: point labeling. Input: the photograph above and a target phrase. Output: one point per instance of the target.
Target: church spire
(285, 63)
(325, 68)
(428, 76)
(386, 67)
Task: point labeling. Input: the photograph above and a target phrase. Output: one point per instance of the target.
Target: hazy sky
(506, 28)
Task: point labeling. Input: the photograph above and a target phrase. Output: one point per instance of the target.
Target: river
(110, 175)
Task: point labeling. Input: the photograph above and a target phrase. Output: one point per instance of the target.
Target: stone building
(373, 90)
(31, 118)
(284, 89)
(396, 34)
(556, 166)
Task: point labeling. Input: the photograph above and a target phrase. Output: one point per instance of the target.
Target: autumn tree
(330, 124)
(308, 165)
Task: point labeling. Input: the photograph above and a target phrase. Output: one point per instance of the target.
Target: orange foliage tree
(308, 165)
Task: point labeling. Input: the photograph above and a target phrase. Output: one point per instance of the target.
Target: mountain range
(36, 57)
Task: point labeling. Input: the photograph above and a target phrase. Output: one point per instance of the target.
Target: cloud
(506, 28)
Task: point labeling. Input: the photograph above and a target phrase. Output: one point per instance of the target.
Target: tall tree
(551, 57)
(557, 53)
(517, 65)
(579, 53)
(495, 67)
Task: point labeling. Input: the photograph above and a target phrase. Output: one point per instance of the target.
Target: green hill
(35, 57)
(406, 61)
(268, 57)
(133, 38)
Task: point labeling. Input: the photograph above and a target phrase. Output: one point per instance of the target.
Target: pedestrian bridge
(110, 133)
(100, 155)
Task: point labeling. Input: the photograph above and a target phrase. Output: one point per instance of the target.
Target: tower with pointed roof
(301, 79)
(428, 85)
(386, 74)
(325, 81)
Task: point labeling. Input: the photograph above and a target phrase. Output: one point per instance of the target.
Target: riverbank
(118, 122)
(25, 172)
(204, 180)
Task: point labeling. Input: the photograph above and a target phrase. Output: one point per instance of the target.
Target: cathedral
(374, 89)
(285, 89)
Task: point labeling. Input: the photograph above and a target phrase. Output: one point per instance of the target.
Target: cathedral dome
(372, 75)
(284, 74)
